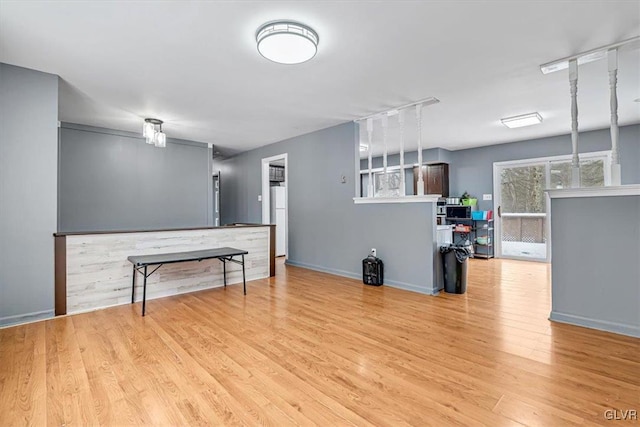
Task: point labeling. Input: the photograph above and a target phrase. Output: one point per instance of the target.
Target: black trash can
(455, 265)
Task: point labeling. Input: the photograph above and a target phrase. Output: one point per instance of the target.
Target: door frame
(266, 195)
(497, 196)
(216, 198)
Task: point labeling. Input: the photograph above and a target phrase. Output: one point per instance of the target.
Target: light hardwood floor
(310, 348)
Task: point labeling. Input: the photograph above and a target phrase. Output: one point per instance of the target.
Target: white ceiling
(195, 65)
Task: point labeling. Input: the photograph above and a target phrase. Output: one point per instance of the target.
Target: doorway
(521, 223)
(216, 199)
(523, 220)
(275, 199)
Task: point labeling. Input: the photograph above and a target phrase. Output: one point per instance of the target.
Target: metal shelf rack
(478, 228)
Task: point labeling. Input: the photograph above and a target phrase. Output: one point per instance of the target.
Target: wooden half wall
(92, 271)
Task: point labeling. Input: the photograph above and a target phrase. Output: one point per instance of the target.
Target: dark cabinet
(276, 173)
(435, 177)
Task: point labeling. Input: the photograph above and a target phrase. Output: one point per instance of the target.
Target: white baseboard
(411, 288)
(601, 325)
(358, 276)
(321, 269)
(26, 318)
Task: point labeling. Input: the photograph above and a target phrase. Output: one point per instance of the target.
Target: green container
(469, 202)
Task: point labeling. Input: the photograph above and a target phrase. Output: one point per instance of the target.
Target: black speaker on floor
(372, 271)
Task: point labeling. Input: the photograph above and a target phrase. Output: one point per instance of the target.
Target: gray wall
(595, 263)
(113, 180)
(28, 182)
(472, 170)
(327, 231)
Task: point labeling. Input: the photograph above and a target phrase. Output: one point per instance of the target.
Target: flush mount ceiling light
(152, 135)
(287, 42)
(364, 147)
(521, 121)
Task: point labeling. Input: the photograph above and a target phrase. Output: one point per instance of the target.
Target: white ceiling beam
(393, 111)
(589, 56)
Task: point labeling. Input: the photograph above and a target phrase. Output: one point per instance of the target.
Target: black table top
(168, 258)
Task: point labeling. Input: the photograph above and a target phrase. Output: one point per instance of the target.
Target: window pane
(591, 173)
(560, 175)
(523, 189)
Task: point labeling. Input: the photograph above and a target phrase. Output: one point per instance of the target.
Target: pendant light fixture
(287, 42)
(153, 135)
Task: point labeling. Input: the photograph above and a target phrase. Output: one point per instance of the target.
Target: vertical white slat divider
(612, 57)
(385, 133)
(402, 174)
(575, 158)
(370, 149)
(420, 184)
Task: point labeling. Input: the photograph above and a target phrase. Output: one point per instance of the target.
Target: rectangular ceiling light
(364, 147)
(523, 120)
(589, 56)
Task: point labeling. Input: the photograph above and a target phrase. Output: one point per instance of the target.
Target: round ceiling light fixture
(287, 42)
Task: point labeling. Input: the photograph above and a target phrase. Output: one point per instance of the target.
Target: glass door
(522, 221)
(522, 212)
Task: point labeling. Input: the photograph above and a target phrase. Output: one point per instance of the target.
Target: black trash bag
(463, 252)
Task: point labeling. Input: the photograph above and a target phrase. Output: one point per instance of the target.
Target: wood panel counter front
(92, 271)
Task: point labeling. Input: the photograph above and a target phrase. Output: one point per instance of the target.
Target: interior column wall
(28, 192)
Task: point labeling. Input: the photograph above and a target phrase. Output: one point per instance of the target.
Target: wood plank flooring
(309, 348)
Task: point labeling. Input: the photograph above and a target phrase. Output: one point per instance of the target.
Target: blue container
(478, 215)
